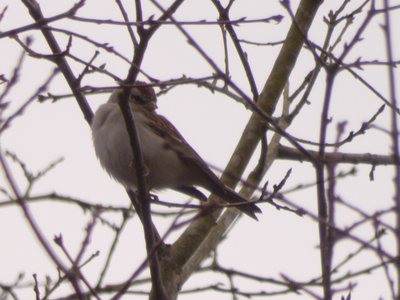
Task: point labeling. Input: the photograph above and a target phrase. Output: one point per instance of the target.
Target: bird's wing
(176, 142)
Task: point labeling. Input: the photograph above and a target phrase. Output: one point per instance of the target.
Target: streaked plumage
(170, 162)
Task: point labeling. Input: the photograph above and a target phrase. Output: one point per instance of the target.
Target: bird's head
(141, 94)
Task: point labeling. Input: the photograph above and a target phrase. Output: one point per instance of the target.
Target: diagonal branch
(60, 61)
(141, 200)
(224, 18)
(204, 234)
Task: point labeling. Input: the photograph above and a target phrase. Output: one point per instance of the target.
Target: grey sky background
(280, 243)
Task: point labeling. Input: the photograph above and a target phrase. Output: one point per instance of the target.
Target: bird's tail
(241, 203)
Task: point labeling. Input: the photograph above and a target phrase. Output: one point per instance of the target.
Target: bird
(169, 162)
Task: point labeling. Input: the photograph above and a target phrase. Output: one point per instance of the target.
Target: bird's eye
(138, 97)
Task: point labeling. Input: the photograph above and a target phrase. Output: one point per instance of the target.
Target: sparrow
(169, 161)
